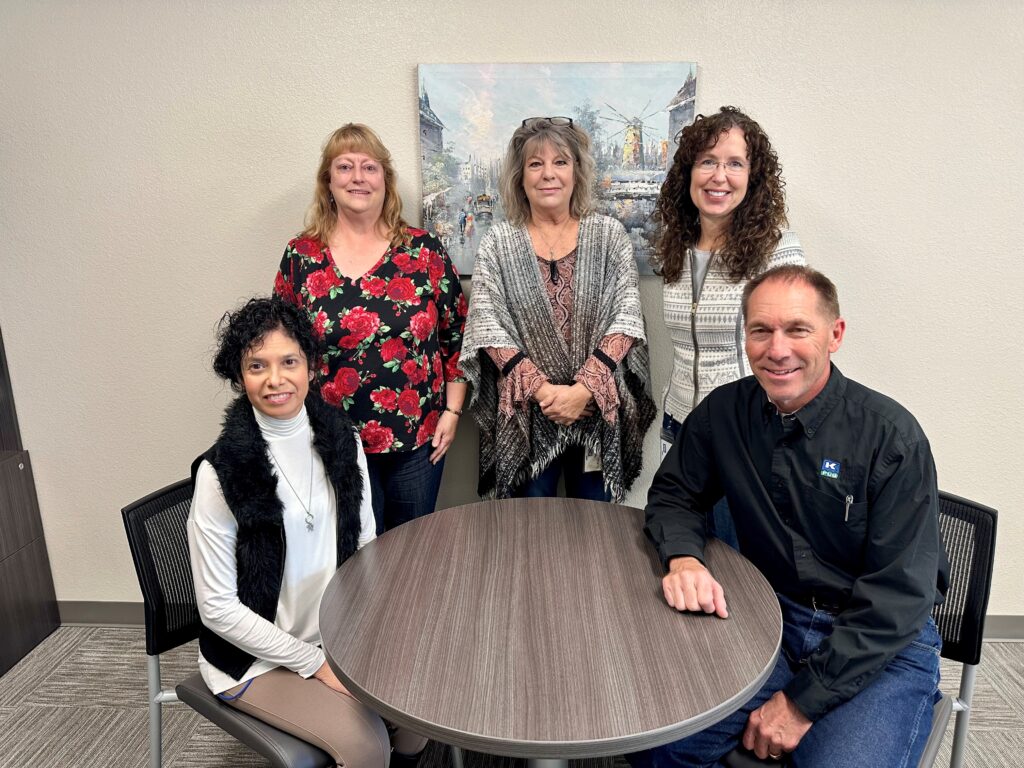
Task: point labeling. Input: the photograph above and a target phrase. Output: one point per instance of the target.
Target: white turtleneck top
(293, 639)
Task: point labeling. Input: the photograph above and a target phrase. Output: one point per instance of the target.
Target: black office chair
(159, 544)
(969, 535)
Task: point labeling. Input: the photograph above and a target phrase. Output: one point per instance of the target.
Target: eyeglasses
(707, 166)
(535, 121)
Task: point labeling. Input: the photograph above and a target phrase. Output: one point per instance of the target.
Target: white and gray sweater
(707, 350)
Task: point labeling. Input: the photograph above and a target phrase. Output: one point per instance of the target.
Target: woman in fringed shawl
(555, 348)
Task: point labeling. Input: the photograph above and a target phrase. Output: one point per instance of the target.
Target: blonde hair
(571, 141)
(323, 215)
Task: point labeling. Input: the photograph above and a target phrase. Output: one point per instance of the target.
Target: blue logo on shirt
(830, 468)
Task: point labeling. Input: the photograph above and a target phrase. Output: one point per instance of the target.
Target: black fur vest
(240, 460)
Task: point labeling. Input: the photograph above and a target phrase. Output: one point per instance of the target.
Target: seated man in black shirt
(833, 490)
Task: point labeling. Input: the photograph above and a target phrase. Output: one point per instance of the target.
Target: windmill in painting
(633, 149)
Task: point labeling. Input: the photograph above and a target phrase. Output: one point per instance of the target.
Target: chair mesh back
(159, 544)
(969, 534)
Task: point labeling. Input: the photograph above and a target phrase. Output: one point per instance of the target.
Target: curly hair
(757, 222)
(243, 330)
(323, 214)
(572, 141)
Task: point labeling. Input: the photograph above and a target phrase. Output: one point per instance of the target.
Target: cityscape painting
(468, 112)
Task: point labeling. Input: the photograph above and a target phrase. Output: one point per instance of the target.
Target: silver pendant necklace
(558, 237)
(307, 507)
(552, 262)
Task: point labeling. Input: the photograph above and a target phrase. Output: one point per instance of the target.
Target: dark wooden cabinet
(21, 523)
(28, 605)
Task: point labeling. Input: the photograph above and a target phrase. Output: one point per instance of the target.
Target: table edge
(584, 748)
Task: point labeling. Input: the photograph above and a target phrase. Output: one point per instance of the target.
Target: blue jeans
(885, 725)
(403, 485)
(719, 520)
(578, 484)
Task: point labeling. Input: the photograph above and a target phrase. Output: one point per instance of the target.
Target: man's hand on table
(775, 728)
(689, 586)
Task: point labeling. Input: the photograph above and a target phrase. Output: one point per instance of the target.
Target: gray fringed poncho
(510, 308)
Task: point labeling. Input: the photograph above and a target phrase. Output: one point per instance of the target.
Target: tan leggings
(350, 732)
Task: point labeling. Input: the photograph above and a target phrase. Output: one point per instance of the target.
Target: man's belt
(823, 600)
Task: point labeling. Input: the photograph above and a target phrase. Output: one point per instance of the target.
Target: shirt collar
(811, 416)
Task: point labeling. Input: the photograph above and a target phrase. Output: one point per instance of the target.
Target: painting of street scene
(633, 113)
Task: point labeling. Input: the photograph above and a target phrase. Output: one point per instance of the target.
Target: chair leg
(456, 756)
(963, 715)
(155, 719)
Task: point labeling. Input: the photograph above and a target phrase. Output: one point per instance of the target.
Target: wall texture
(157, 156)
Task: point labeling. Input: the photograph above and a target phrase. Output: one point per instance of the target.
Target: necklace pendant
(309, 523)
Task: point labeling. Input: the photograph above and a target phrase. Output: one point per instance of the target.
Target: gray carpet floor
(79, 699)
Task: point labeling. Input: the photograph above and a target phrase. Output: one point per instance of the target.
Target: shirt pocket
(835, 523)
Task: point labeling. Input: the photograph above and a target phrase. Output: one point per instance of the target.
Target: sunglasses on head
(557, 120)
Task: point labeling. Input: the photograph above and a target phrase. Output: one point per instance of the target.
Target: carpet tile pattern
(79, 699)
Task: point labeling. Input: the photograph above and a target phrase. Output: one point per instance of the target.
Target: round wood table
(537, 628)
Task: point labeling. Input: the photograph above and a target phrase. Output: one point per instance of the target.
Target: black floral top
(392, 336)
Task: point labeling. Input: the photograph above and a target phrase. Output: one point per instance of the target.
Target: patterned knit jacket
(239, 457)
(510, 308)
(713, 345)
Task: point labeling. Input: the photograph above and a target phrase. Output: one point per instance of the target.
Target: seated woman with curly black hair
(281, 500)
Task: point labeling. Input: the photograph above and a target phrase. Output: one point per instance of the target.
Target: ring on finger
(774, 756)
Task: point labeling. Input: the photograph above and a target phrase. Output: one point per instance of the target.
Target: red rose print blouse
(392, 336)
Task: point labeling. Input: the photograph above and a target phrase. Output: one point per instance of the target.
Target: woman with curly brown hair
(722, 213)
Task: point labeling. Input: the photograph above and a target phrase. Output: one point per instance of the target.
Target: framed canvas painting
(467, 113)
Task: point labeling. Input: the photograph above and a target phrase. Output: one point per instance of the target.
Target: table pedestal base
(533, 762)
(547, 762)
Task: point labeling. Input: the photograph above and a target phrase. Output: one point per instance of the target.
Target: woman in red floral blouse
(388, 303)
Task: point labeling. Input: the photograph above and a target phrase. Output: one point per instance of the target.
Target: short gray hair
(828, 296)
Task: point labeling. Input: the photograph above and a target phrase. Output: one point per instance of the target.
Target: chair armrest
(941, 713)
(741, 758)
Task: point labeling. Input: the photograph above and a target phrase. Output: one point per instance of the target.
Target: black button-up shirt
(836, 503)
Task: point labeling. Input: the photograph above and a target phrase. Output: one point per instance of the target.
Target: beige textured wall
(156, 156)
